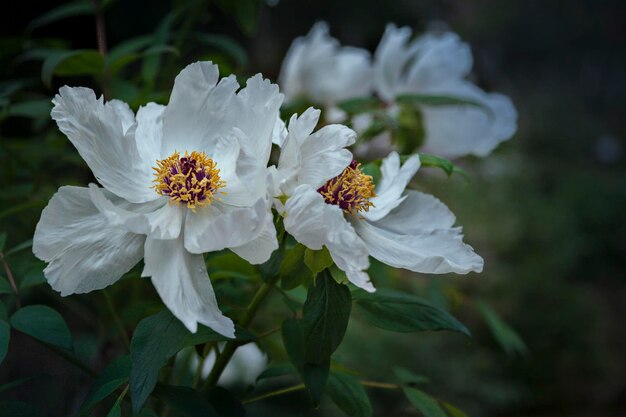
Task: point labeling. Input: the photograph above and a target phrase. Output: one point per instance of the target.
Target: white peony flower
(317, 66)
(179, 180)
(331, 202)
(437, 64)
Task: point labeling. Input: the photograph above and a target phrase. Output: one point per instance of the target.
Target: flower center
(350, 190)
(192, 180)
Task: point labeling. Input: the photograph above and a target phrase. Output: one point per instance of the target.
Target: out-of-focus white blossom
(318, 67)
(437, 65)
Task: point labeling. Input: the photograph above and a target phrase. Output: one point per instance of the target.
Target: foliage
(321, 308)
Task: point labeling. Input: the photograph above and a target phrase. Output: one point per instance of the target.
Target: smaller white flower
(332, 203)
(318, 67)
(437, 64)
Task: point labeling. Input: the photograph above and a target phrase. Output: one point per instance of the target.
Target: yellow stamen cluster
(192, 180)
(350, 190)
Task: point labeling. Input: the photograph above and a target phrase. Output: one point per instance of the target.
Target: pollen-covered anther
(191, 180)
(351, 190)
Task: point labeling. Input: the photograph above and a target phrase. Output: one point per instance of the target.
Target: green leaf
(44, 324)
(423, 402)
(156, 339)
(275, 371)
(87, 61)
(452, 410)
(409, 133)
(349, 395)
(317, 260)
(225, 44)
(77, 8)
(229, 265)
(245, 12)
(5, 287)
(373, 170)
(115, 411)
(359, 105)
(448, 167)
(19, 409)
(313, 375)
(504, 334)
(77, 62)
(19, 382)
(33, 276)
(437, 100)
(400, 312)
(3, 312)
(407, 377)
(24, 245)
(292, 267)
(112, 377)
(32, 109)
(325, 315)
(225, 403)
(126, 52)
(184, 400)
(5, 336)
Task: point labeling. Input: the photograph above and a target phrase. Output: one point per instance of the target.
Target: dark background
(546, 210)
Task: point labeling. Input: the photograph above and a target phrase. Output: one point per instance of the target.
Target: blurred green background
(545, 210)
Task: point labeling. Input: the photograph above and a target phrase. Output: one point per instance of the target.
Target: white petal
(252, 117)
(436, 251)
(198, 111)
(394, 180)
(123, 113)
(149, 133)
(84, 251)
(295, 70)
(314, 158)
(236, 192)
(159, 219)
(390, 60)
(315, 224)
(279, 133)
(254, 113)
(183, 284)
(260, 249)
(418, 212)
(102, 135)
(318, 67)
(323, 154)
(475, 130)
(347, 74)
(220, 226)
(440, 59)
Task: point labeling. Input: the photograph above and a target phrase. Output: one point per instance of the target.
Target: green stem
(275, 393)
(373, 384)
(116, 319)
(201, 361)
(383, 385)
(231, 346)
(102, 48)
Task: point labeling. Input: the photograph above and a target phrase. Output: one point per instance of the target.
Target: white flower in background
(332, 203)
(318, 67)
(247, 363)
(179, 180)
(437, 64)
